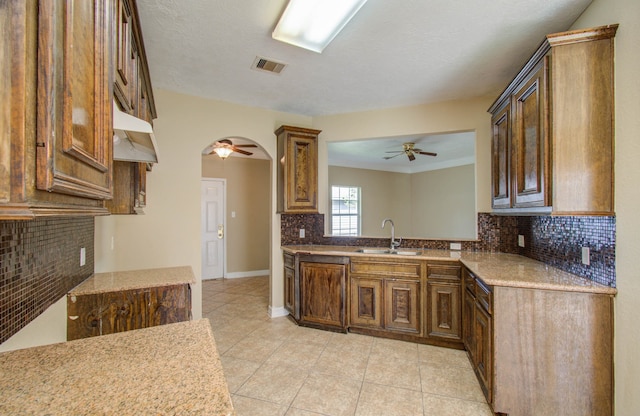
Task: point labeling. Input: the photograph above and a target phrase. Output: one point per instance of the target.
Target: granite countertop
(134, 279)
(164, 370)
(495, 269)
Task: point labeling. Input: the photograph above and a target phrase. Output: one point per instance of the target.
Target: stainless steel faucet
(394, 244)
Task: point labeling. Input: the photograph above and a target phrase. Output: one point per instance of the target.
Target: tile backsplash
(556, 241)
(39, 264)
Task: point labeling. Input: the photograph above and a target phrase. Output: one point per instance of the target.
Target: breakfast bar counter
(169, 369)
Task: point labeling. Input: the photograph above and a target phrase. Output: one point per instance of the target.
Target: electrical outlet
(301, 232)
(520, 240)
(455, 246)
(83, 257)
(586, 259)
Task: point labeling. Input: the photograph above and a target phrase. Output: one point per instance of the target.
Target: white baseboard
(278, 312)
(251, 273)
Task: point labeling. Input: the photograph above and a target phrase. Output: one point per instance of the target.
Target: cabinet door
(444, 308)
(483, 349)
(402, 305)
(84, 316)
(74, 127)
(530, 140)
(366, 302)
(168, 304)
(301, 175)
(123, 80)
(323, 293)
(289, 290)
(500, 155)
(468, 326)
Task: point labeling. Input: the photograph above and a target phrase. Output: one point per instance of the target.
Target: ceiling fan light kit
(410, 150)
(223, 148)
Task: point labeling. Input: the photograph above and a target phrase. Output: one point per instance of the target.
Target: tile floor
(274, 367)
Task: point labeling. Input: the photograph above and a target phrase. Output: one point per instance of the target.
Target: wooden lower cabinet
(540, 352)
(111, 312)
(323, 299)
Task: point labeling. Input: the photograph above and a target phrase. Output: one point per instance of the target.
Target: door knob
(220, 231)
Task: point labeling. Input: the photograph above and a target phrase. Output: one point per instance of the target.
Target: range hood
(133, 139)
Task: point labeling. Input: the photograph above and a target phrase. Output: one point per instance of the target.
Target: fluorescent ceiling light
(312, 24)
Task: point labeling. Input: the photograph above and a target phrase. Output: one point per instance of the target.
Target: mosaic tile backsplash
(39, 264)
(556, 241)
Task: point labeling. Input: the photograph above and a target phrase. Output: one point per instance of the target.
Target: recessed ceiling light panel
(312, 24)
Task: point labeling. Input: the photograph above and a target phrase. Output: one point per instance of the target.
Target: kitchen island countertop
(134, 279)
(169, 369)
(495, 269)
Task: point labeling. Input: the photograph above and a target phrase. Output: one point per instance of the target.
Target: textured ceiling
(392, 54)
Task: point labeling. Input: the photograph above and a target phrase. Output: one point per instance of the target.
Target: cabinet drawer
(289, 260)
(483, 295)
(386, 268)
(445, 272)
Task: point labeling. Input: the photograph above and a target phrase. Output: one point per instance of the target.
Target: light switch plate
(455, 246)
(520, 240)
(301, 232)
(83, 257)
(586, 256)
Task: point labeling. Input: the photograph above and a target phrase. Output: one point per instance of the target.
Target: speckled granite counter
(164, 370)
(496, 269)
(135, 279)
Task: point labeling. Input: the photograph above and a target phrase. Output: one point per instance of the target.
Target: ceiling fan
(410, 150)
(225, 147)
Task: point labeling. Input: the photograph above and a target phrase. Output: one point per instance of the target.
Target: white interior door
(213, 227)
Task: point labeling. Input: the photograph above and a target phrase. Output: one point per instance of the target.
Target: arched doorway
(246, 227)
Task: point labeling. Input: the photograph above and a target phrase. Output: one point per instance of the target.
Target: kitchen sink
(373, 251)
(384, 251)
(406, 252)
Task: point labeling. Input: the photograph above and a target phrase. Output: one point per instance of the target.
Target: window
(345, 210)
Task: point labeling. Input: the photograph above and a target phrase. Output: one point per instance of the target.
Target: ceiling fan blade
(391, 157)
(395, 151)
(244, 152)
(245, 145)
(411, 156)
(428, 153)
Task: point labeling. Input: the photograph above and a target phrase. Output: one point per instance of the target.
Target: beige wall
(431, 204)
(444, 203)
(248, 186)
(627, 174)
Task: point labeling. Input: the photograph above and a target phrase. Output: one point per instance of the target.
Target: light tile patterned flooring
(274, 367)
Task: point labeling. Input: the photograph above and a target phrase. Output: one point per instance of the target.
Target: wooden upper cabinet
(553, 129)
(55, 121)
(74, 124)
(297, 170)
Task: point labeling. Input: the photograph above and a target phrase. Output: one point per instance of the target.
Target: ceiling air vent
(264, 64)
